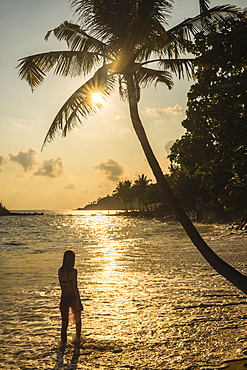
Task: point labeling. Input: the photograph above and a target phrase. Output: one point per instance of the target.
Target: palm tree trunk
(235, 277)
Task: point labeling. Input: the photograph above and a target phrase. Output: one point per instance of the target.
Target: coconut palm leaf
(80, 104)
(146, 76)
(34, 68)
(191, 26)
(141, 18)
(76, 38)
(180, 67)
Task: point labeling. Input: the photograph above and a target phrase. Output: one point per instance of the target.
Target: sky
(73, 171)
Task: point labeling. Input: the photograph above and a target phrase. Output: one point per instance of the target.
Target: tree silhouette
(140, 188)
(122, 38)
(213, 147)
(123, 192)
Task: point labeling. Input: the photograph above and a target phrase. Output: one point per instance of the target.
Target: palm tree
(122, 38)
(124, 192)
(140, 189)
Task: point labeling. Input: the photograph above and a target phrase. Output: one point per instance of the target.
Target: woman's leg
(78, 329)
(64, 331)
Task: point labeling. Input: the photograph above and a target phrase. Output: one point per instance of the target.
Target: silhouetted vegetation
(209, 162)
(140, 194)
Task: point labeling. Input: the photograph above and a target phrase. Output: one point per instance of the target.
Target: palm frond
(191, 26)
(146, 76)
(34, 68)
(123, 22)
(80, 104)
(76, 38)
(180, 67)
(204, 5)
(98, 16)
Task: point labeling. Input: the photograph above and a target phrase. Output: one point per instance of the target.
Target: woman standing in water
(70, 304)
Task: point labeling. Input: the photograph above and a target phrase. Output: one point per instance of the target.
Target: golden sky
(90, 161)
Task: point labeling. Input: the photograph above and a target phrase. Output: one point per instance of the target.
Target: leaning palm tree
(126, 44)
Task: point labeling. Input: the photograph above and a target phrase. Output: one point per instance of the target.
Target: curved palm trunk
(223, 268)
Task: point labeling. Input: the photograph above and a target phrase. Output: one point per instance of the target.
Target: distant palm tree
(140, 189)
(122, 38)
(124, 192)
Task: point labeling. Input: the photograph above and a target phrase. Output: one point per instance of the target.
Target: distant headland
(5, 212)
(107, 203)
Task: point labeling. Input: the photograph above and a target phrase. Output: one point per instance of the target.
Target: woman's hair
(68, 261)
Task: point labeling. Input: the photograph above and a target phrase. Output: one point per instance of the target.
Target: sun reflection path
(102, 241)
(106, 275)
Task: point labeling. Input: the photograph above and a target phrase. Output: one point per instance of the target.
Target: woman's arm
(59, 277)
(75, 286)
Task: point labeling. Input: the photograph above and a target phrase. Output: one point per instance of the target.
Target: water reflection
(73, 358)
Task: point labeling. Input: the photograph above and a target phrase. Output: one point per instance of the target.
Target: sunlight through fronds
(98, 98)
(80, 104)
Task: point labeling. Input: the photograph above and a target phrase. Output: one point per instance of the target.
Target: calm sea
(150, 300)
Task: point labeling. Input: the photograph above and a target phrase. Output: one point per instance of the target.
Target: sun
(97, 98)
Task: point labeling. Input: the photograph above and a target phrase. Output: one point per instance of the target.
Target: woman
(70, 304)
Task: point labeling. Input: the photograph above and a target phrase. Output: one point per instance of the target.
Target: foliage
(213, 149)
(140, 190)
(141, 193)
(124, 193)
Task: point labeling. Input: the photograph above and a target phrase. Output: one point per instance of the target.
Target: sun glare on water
(97, 98)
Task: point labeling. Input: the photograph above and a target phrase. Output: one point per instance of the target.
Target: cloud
(50, 168)
(70, 187)
(110, 169)
(177, 109)
(168, 146)
(157, 112)
(2, 162)
(152, 112)
(25, 159)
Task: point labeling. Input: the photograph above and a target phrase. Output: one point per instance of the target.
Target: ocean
(150, 299)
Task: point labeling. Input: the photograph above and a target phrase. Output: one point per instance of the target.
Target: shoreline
(234, 226)
(240, 225)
